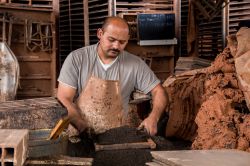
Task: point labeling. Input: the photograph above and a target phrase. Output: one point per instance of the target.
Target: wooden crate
(30, 3)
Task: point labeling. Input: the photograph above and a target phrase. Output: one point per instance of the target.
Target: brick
(13, 146)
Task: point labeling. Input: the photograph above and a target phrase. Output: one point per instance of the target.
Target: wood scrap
(200, 157)
(61, 160)
(137, 145)
(60, 126)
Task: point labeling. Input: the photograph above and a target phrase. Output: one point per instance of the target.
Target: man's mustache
(115, 50)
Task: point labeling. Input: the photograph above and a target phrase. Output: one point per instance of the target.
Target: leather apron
(100, 103)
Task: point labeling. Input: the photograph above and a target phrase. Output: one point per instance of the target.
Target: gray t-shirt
(131, 70)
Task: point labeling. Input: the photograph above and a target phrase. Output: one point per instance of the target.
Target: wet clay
(224, 118)
(209, 106)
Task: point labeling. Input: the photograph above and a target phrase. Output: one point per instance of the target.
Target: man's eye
(111, 40)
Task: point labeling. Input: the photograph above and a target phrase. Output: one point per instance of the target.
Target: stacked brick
(13, 147)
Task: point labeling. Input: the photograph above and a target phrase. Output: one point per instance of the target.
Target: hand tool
(60, 126)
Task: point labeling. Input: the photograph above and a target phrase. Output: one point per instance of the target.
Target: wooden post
(86, 22)
(4, 29)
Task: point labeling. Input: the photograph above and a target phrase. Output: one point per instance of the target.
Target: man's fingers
(141, 127)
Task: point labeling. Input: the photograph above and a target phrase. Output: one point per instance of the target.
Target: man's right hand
(65, 95)
(78, 123)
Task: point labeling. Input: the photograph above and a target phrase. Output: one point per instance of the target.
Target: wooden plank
(240, 13)
(237, 19)
(203, 157)
(148, 5)
(20, 7)
(97, 17)
(123, 146)
(61, 160)
(86, 22)
(236, 3)
(92, 1)
(97, 6)
(144, 11)
(245, 7)
(154, 164)
(98, 11)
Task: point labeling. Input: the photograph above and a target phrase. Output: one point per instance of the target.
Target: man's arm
(65, 95)
(160, 100)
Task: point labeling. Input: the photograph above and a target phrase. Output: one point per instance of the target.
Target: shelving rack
(33, 41)
(71, 27)
(90, 16)
(235, 12)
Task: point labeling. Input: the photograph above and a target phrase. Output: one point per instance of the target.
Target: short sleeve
(146, 80)
(70, 71)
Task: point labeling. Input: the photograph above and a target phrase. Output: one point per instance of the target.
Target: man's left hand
(150, 125)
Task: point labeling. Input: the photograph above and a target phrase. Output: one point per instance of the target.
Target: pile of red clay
(210, 106)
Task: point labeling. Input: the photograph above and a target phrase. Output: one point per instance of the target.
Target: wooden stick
(138, 145)
(61, 160)
(60, 126)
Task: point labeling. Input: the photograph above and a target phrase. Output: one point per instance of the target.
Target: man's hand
(160, 101)
(150, 125)
(78, 123)
(65, 95)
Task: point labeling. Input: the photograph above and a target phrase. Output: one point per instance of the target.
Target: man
(103, 76)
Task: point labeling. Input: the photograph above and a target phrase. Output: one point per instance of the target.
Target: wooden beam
(61, 160)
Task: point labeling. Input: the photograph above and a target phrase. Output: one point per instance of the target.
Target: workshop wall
(212, 32)
(89, 15)
(29, 29)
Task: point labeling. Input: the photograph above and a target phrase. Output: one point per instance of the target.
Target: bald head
(115, 21)
(113, 38)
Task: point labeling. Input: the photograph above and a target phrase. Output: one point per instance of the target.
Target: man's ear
(99, 33)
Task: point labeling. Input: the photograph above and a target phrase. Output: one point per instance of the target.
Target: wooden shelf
(35, 77)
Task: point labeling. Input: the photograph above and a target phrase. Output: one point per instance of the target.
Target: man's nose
(116, 45)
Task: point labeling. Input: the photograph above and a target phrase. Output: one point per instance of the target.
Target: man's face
(113, 40)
